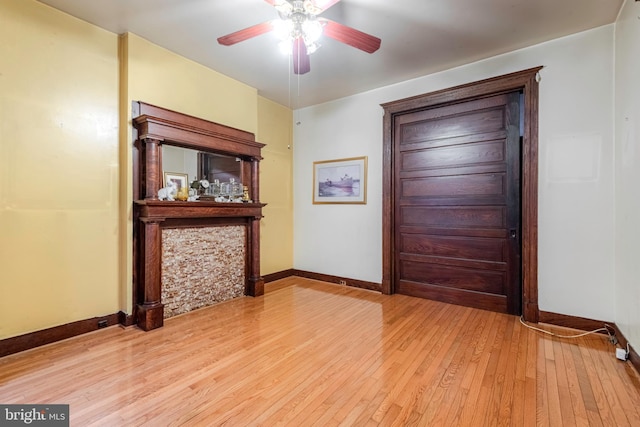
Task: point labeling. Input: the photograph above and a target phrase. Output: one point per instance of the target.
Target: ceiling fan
(299, 28)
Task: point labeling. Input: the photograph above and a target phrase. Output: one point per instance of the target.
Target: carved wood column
(255, 284)
(152, 168)
(255, 176)
(150, 308)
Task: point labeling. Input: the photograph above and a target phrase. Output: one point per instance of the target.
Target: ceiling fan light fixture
(312, 47)
(297, 25)
(283, 29)
(311, 30)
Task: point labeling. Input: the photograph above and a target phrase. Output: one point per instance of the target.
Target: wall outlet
(102, 324)
(343, 282)
(621, 353)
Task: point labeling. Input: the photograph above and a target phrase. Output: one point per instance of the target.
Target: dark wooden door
(457, 203)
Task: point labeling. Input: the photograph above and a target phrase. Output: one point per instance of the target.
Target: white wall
(576, 219)
(627, 125)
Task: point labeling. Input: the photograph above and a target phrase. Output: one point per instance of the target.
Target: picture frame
(180, 179)
(340, 181)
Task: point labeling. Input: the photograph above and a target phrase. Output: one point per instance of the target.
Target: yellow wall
(66, 89)
(276, 186)
(160, 77)
(58, 169)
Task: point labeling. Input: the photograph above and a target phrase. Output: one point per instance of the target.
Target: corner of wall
(125, 188)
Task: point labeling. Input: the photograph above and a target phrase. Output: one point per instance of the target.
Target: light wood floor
(311, 353)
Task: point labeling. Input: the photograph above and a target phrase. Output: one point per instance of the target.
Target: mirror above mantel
(197, 164)
(215, 147)
(168, 141)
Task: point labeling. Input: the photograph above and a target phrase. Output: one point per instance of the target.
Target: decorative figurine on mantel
(169, 192)
(183, 194)
(245, 194)
(200, 186)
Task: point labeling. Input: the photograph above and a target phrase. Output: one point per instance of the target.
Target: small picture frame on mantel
(180, 180)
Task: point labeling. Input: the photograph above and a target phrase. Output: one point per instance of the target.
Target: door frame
(525, 81)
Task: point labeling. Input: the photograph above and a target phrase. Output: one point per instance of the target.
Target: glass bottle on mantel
(214, 189)
(225, 191)
(235, 190)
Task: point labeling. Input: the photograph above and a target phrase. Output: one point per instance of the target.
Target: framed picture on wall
(340, 181)
(179, 179)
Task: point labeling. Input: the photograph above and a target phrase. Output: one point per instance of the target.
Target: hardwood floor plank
(543, 385)
(482, 412)
(564, 395)
(507, 405)
(475, 385)
(311, 353)
(502, 387)
(465, 365)
(530, 388)
(520, 378)
(530, 407)
(573, 384)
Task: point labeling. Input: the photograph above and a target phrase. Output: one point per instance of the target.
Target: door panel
(460, 216)
(457, 155)
(480, 280)
(450, 122)
(482, 249)
(454, 185)
(457, 203)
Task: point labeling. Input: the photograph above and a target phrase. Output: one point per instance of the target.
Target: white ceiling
(419, 37)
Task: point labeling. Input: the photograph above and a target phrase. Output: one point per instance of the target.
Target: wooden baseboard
(339, 280)
(575, 322)
(57, 333)
(634, 358)
(278, 275)
(126, 319)
(323, 277)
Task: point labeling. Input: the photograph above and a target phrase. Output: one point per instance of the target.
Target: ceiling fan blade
(301, 63)
(246, 34)
(350, 36)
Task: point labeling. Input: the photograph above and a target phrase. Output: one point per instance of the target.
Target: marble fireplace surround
(190, 226)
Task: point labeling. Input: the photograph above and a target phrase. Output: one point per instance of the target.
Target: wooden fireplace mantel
(159, 210)
(153, 127)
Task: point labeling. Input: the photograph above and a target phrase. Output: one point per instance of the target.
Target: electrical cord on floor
(612, 337)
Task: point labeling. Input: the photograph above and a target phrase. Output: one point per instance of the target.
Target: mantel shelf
(160, 209)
